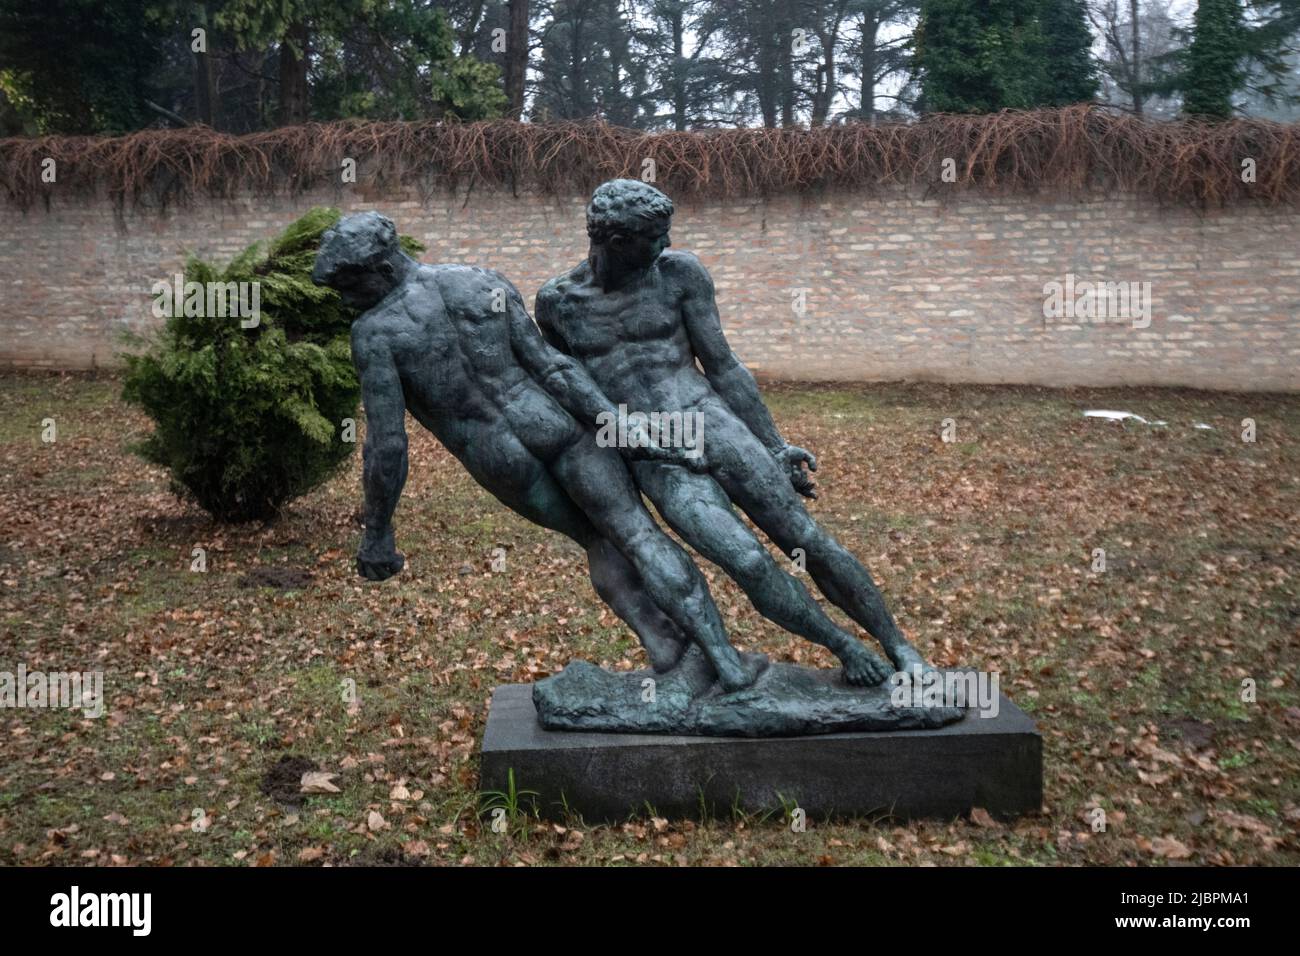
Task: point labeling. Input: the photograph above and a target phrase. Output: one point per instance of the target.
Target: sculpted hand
(793, 458)
(378, 558)
(643, 449)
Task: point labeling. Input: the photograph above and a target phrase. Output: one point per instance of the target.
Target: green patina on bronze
(632, 327)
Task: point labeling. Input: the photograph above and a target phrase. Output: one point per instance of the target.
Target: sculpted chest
(594, 322)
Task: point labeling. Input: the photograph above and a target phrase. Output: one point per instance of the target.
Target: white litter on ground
(1118, 416)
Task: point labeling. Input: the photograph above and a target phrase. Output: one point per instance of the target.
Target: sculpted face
(364, 289)
(622, 249)
(360, 259)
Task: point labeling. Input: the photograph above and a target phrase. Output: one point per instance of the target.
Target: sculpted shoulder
(376, 328)
(563, 286)
(370, 335)
(684, 269)
(471, 290)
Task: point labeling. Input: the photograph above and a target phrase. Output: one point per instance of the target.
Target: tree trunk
(206, 105)
(787, 79)
(768, 94)
(826, 80)
(581, 102)
(679, 70)
(516, 57)
(767, 97)
(867, 105)
(205, 96)
(1136, 58)
(768, 44)
(293, 75)
(472, 22)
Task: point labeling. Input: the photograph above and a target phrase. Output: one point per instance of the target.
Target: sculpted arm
(725, 372)
(544, 310)
(560, 374)
(384, 453)
(728, 375)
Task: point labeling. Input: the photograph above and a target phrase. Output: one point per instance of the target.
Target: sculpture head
(627, 223)
(361, 259)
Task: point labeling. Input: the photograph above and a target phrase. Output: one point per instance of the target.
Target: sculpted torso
(632, 339)
(459, 375)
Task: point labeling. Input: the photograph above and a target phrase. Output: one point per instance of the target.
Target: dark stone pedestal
(990, 762)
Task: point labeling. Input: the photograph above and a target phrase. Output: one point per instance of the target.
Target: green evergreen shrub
(248, 418)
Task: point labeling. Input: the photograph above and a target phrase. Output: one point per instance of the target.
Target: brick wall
(895, 286)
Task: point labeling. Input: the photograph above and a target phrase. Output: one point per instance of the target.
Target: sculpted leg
(696, 507)
(619, 586)
(616, 581)
(766, 495)
(598, 482)
(840, 576)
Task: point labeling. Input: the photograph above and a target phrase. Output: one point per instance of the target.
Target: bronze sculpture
(624, 329)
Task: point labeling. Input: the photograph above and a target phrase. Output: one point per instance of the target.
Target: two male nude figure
(627, 326)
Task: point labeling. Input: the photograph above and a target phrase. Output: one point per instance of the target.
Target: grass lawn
(984, 546)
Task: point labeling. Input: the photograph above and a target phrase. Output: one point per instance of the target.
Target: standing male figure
(455, 346)
(639, 318)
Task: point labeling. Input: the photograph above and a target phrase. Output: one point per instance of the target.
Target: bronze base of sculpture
(785, 701)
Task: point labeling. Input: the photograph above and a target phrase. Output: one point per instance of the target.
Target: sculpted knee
(803, 532)
(751, 563)
(673, 566)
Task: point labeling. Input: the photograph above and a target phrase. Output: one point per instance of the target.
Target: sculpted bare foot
(741, 672)
(907, 658)
(862, 666)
